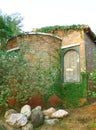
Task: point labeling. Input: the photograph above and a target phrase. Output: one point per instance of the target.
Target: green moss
(51, 29)
(70, 93)
(73, 92)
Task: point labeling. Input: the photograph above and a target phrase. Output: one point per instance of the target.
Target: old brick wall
(90, 48)
(74, 37)
(42, 47)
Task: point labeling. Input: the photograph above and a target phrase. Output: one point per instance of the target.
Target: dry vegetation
(83, 118)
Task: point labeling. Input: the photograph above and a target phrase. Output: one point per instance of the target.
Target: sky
(42, 13)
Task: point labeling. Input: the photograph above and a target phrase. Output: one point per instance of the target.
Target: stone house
(76, 45)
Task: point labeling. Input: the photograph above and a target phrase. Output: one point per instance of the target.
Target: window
(71, 66)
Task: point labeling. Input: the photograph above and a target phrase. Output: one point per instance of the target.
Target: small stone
(47, 117)
(9, 112)
(37, 117)
(26, 110)
(5, 126)
(59, 114)
(51, 121)
(28, 126)
(16, 120)
(49, 111)
(37, 108)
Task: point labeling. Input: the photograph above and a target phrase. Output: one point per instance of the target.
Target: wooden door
(71, 66)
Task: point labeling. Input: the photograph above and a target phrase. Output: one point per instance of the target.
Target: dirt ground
(83, 118)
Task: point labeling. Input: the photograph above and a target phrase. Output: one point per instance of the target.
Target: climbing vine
(52, 29)
(67, 29)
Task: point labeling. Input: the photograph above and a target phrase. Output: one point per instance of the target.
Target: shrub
(20, 78)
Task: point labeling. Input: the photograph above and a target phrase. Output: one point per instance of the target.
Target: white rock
(51, 121)
(28, 126)
(37, 108)
(16, 120)
(46, 117)
(26, 110)
(59, 114)
(9, 112)
(49, 111)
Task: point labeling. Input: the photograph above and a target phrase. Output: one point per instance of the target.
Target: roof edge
(78, 27)
(36, 33)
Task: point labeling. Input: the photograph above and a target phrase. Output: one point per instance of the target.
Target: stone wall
(90, 49)
(41, 47)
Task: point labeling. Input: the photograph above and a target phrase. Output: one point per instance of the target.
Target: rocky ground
(83, 118)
